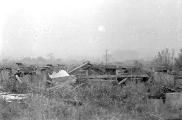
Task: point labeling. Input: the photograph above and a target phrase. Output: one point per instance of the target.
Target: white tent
(61, 73)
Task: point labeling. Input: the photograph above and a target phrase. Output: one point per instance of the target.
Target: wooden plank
(112, 76)
(101, 80)
(122, 81)
(70, 72)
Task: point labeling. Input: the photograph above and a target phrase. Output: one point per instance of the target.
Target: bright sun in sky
(101, 28)
(78, 27)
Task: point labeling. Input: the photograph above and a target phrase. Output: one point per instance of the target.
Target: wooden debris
(123, 81)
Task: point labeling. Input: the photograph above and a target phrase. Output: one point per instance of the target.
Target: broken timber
(113, 76)
(122, 81)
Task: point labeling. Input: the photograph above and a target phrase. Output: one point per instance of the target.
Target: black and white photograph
(90, 59)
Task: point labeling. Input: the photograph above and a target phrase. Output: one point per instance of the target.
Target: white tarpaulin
(61, 73)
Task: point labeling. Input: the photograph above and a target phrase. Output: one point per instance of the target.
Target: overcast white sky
(86, 28)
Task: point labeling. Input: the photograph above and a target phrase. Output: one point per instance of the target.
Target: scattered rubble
(8, 97)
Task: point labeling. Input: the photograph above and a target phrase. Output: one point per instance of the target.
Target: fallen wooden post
(122, 81)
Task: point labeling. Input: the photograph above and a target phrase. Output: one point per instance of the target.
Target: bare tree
(178, 61)
(164, 58)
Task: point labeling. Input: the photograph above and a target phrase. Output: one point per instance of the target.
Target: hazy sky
(86, 28)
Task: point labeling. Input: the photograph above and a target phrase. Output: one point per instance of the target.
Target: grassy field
(89, 101)
(99, 101)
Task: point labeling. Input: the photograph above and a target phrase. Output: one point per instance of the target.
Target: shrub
(12, 85)
(130, 97)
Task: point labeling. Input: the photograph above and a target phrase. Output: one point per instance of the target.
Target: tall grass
(101, 101)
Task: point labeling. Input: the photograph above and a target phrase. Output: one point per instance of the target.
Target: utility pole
(106, 56)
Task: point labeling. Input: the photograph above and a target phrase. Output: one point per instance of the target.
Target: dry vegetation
(101, 101)
(88, 102)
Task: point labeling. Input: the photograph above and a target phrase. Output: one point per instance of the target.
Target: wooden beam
(122, 81)
(78, 67)
(113, 76)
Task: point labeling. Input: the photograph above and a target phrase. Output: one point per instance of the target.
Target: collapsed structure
(55, 77)
(50, 73)
(109, 72)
